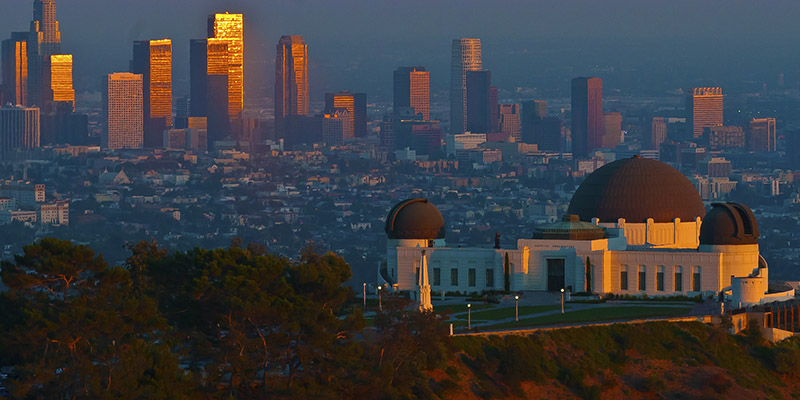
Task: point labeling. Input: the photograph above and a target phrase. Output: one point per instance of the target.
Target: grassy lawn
(508, 312)
(458, 308)
(596, 315)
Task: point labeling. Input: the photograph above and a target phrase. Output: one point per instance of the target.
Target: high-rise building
(122, 109)
(510, 122)
(548, 134)
(208, 75)
(153, 60)
(724, 138)
(466, 56)
(703, 109)
(412, 88)
(612, 130)
(230, 27)
(57, 79)
(336, 127)
(762, 135)
(44, 41)
(291, 80)
(356, 106)
(587, 115)
(658, 133)
(182, 107)
(479, 104)
(45, 27)
(533, 112)
(19, 128)
(15, 68)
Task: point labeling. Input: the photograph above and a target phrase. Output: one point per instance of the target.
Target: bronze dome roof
(415, 219)
(636, 189)
(729, 223)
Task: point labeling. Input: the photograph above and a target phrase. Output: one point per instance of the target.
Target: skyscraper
(57, 80)
(658, 133)
(587, 115)
(231, 27)
(412, 88)
(612, 130)
(208, 76)
(533, 111)
(44, 41)
(762, 135)
(510, 123)
(19, 128)
(356, 106)
(291, 80)
(703, 109)
(479, 104)
(335, 127)
(15, 68)
(153, 60)
(466, 56)
(45, 27)
(122, 109)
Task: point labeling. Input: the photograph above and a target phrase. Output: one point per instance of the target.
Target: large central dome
(637, 189)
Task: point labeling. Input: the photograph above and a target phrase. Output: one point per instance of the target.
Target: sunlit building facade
(15, 68)
(44, 40)
(412, 88)
(703, 109)
(231, 28)
(153, 60)
(122, 109)
(291, 80)
(356, 106)
(465, 56)
(58, 79)
(612, 130)
(510, 122)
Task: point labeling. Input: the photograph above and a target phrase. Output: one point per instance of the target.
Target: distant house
(114, 178)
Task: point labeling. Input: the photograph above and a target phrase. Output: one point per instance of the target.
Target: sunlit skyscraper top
(466, 56)
(45, 25)
(231, 27)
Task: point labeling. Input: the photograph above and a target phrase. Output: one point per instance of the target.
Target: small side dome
(415, 219)
(729, 223)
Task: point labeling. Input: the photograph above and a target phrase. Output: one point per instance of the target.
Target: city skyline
(532, 45)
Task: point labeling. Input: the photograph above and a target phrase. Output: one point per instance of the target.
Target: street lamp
(365, 296)
(562, 300)
(516, 300)
(469, 316)
(380, 305)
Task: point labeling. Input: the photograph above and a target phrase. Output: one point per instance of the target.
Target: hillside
(646, 361)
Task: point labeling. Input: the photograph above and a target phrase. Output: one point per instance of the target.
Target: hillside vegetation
(641, 361)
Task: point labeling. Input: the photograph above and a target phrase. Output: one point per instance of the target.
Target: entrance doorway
(555, 274)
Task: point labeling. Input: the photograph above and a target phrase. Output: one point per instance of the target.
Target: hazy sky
(356, 43)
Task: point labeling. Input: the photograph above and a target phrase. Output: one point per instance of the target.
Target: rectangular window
(453, 276)
(416, 275)
(696, 279)
(642, 278)
(489, 278)
(471, 277)
(678, 278)
(660, 278)
(623, 277)
(437, 276)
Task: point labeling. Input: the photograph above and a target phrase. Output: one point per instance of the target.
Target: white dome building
(634, 226)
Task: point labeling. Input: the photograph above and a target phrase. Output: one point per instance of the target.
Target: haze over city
(399, 199)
